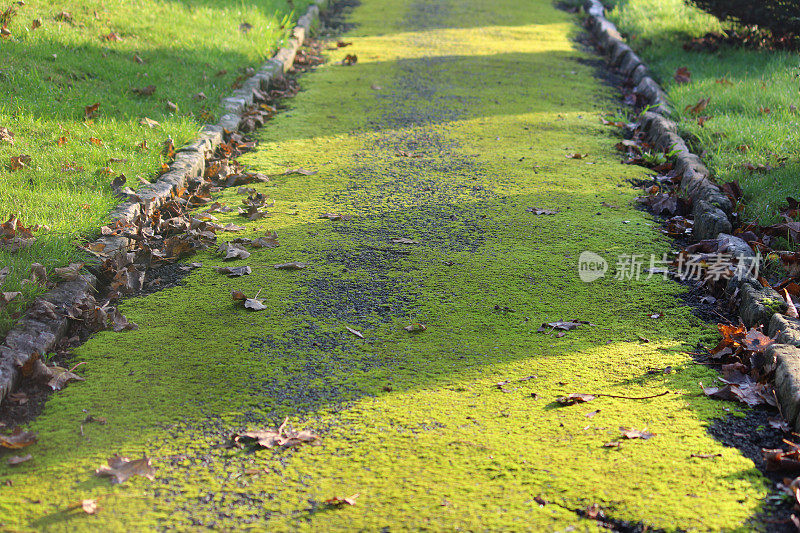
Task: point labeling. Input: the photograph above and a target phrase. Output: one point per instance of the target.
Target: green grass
(50, 74)
(657, 30)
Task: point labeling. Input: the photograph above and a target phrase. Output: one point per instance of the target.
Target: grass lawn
(63, 56)
(752, 115)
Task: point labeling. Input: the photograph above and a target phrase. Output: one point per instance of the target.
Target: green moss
(492, 99)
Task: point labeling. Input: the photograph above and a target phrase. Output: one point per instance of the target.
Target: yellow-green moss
(493, 98)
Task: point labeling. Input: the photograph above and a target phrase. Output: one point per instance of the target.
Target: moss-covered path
(457, 118)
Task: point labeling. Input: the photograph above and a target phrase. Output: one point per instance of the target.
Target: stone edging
(711, 209)
(37, 332)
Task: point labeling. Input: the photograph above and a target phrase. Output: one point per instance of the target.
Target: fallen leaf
(6, 136)
(403, 240)
(575, 398)
(18, 459)
(172, 107)
(91, 110)
(254, 304)
(7, 297)
(342, 44)
(282, 437)
(682, 75)
(190, 266)
(69, 273)
(233, 272)
(64, 16)
(336, 501)
(349, 60)
(699, 107)
(294, 265)
(539, 211)
(355, 332)
(705, 455)
(112, 36)
(89, 506)
(18, 439)
(20, 161)
(245, 27)
(120, 469)
(232, 251)
(150, 123)
(416, 328)
(635, 434)
(145, 91)
(577, 156)
(138, 59)
(61, 376)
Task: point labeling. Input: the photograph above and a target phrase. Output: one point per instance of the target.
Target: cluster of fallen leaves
(15, 236)
(282, 437)
(787, 462)
(742, 380)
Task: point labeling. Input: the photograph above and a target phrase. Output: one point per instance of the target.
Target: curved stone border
(37, 333)
(758, 305)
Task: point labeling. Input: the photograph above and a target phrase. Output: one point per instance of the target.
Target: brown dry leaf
(300, 171)
(6, 297)
(575, 398)
(38, 274)
(756, 341)
(254, 305)
(336, 501)
(792, 310)
(138, 59)
(190, 266)
(701, 121)
(628, 433)
(172, 107)
(699, 107)
(69, 273)
(294, 265)
(238, 296)
(724, 81)
(36, 23)
(5, 271)
(145, 91)
(90, 111)
(6, 136)
(350, 60)
(18, 459)
(403, 240)
(539, 211)
(112, 36)
(245, 27)
(232, 251)
(150, 123)
(682, 75)
(416, 328)
(576, 156)
(563, 325)
(275, 438)
(89, 506)
(20, 161)
(270, 240)
(705, 455)
(764, 110)
(61, 376)
(342, 44)
(120, 469)
(234, 272)
(64, 16)
(592, 414)
(615, 444)
(18, 439)
(355, 332)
